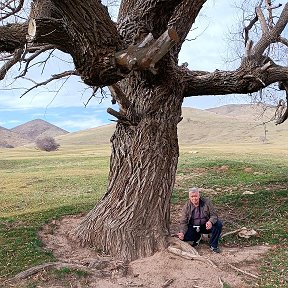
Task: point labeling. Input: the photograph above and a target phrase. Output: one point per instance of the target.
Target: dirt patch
(163, 269)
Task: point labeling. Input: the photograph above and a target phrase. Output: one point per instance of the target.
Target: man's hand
(208, 225)
(180, 235)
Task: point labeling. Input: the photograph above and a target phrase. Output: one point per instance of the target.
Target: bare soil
(163, 269)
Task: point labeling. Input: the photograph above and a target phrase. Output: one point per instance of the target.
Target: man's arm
(213, 214)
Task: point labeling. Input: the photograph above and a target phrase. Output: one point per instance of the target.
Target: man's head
(194, 196)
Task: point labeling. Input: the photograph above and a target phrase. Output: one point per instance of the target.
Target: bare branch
(94, 91)
(183, 18)
(274, 33)
(262, 20)
(32, 57)
(248, 28)
(13, 10)
(283, 40)
(9, 64)
(246, 79)
(54, 77)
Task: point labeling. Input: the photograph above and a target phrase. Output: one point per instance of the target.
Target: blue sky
(65, 107)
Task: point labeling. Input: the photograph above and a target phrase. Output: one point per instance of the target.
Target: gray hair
(193, 190)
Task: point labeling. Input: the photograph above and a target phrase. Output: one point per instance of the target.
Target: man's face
(194, 198)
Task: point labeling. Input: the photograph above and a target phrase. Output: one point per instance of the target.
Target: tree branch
(147, 57)
(248, 28)
(120, 97)
(183, 18)
(9, 64)
(12, 37)
(262, 20)
(283, 41)
(283, 116)
(274, 33)
(32, 57)
(53, 77)
(247, 79)
(13, 10)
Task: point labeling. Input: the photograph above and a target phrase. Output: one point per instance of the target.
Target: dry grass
(231, 124)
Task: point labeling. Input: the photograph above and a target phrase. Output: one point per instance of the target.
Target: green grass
(265, 211)
(37, 187)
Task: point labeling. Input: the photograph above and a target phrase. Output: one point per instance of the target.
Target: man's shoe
(215, 249)
(196, 243)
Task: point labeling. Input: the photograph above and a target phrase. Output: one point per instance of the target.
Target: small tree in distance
(47, 143)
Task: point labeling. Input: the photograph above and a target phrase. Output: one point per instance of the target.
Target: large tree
(137, 58)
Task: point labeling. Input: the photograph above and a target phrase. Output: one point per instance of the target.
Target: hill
(10, 139)
(38, 128)
(223, 125)
(27, 133)
(254, 112)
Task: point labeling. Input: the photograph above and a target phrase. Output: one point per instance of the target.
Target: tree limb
(120, 97)
(283, 116)
(273, 34)
(183, 18)
(148, 56)
(283, 40)
(262, 20)
(13, 10)
(32, 57)
(248, 28)
(53, 77)
(242, 81)
(9, 64)
(12, 37)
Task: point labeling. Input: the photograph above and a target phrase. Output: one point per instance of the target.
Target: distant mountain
(28, 133)
(222, 125)
(253, 112)
(38, 128)
(9, 139)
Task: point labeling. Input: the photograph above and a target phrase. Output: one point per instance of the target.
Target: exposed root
(186, 251)
(97, 269)
(244, 272)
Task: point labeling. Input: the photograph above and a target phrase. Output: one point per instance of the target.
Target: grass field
(37, 187)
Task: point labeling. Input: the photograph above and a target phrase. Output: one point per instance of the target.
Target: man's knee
(218, 224)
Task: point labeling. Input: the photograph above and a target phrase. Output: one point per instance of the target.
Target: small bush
(47, 144)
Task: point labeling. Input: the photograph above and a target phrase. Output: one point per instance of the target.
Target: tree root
(244, 272)
(186, 251)
(55, 265)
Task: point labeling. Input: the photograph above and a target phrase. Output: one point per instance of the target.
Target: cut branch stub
(147, 57)
(120, 97)
(50, 31)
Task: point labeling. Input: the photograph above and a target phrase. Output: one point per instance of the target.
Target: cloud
(80, 124)
(209, 49)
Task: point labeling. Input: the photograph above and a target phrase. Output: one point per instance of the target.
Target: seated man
(199, 217)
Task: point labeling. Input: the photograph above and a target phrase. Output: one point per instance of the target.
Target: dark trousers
(193, 235)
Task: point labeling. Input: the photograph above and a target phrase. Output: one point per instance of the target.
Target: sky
(63, 103)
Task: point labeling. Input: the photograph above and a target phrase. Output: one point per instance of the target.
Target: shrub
(47, 143)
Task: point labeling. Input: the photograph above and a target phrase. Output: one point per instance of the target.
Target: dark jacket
(208, 209)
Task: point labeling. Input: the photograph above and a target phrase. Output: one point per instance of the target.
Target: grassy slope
(37, 187)
(202, 127)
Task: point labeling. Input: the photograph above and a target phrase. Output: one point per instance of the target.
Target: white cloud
(80, 123)
(208, 51)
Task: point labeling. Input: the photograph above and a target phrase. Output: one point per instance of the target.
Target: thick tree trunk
(132, 219)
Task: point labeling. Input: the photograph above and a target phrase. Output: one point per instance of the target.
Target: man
(199, 217)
